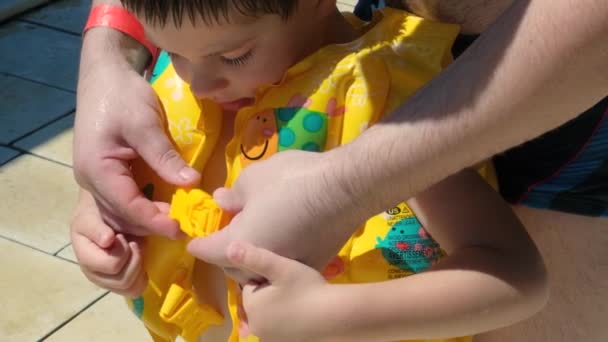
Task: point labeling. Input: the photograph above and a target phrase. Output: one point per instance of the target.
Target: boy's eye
(173, 55)
(237, 61)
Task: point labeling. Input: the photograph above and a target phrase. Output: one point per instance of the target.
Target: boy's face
(227, 61)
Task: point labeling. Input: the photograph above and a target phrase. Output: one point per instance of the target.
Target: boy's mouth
(236, 104)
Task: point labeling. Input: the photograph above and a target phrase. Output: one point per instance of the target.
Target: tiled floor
(44, 295)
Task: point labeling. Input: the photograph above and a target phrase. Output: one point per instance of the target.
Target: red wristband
(122, 20)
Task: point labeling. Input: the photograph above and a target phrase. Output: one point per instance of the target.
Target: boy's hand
(107, 259)
(285, 307)
(117, 121)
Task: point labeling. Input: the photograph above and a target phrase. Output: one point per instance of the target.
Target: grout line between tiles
(41, 127)
(25, 152)
(57, 328)
(66, 259)
(25, 245)
(38, 82)
(62, 248)
(13, 157)
(50, 27)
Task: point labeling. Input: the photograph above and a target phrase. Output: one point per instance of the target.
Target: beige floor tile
(38, 197)
(39, 292)
(6, 154)
(68, 254)
(53, 142)
(345, 6)
(349, 2)
(109, 320)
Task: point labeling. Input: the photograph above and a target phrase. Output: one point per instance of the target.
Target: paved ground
(44, 295)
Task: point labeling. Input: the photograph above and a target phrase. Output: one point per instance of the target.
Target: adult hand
(290, 204)
(118, 119)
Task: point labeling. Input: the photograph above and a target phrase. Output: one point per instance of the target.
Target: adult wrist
(110, 46)
(354, 170)
(345, 187)
(121, 33)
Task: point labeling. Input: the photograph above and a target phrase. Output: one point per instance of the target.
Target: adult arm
(117, 121)
(473, 16)
(538, 66)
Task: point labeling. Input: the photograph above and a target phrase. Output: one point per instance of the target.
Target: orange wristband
(122, 20)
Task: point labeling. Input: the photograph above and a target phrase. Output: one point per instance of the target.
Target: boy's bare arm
(107, 259)
(493, 275)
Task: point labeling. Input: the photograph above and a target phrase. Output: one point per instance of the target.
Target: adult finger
(229, 200)
(152, 143)
(121, 195)
(120, 225)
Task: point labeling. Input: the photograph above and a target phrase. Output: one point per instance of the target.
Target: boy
(246, 90)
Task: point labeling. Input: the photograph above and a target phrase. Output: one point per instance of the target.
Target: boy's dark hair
(210, 11)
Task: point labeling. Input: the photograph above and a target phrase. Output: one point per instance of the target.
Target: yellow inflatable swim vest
(324, 101)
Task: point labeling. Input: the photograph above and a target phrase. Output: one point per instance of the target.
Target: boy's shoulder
(393, 43)
(390, 41)
(398, 34)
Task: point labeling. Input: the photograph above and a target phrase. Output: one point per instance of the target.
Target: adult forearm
(538, 66)
(104, 45)
(456, 299)
(473, 16)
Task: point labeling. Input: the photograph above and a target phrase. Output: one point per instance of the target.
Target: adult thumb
(155, 148)
(212, 248)
(229, 200)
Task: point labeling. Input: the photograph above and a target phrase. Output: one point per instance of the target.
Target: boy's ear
(326, 7)
(399, 4)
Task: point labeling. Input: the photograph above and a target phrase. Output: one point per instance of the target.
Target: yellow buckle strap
(198, 216)
(180, 308)
(197, 213)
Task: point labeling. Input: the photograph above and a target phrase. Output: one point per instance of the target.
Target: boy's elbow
(535, 288)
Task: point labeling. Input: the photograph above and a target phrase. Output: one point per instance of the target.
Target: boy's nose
(206, 85)
(207, 88)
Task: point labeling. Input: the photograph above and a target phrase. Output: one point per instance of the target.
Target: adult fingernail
(221, 197)
(188, 173)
